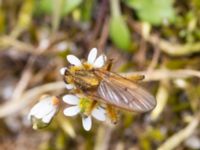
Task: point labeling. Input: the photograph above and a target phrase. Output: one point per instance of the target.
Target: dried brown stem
(162, 74)
(24, 80)
(104, 36)
(155, 59)
(170, 48)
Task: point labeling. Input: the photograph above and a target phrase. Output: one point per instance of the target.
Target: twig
(104, 35)
(155, 59)
(140, 57)
(101, 16)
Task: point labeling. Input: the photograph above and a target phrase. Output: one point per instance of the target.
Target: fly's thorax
(86, 79)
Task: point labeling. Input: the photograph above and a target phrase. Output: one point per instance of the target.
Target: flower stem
(115, 8)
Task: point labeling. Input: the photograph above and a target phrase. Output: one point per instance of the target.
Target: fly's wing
(123, 93)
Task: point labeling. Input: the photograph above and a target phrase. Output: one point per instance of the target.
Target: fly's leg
(136, 77)
(112, 113)
(108, 65)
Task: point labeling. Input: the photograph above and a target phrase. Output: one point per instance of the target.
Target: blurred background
(157, 38)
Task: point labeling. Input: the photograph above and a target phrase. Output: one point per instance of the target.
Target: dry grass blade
(179, 137)
(162, 97)
(161, 74)
(7, 41)
(28, 97)
(24, 80)
(66, 126)
(103, 137)
(174, 49)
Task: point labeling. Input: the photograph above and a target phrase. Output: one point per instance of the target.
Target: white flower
(98, 112)
(96, 62)
(93, 60)
(42, 113)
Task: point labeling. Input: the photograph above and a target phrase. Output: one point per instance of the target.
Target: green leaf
(56, 17)
(44, 6)
(86, 10)
(119, 33)
(70, 5)
(57, 8)
(153, 11)
(47, 6)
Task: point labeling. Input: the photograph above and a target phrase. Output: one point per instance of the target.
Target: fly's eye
(67, 72)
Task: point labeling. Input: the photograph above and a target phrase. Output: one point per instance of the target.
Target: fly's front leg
(108, 64)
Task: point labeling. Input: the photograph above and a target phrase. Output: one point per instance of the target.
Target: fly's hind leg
(112, 113)
(136, 77)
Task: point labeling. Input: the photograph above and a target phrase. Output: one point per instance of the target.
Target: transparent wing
(124, 93)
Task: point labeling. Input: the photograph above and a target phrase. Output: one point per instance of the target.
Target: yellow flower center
(86, 105)
(87, 66)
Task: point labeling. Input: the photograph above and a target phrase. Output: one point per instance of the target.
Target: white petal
(72, 111)
(74, 60)
(47, 118)
(71, 99)
(99, 114)
(92, 56)
(42, 108)
(69, 86)
(62, 70)
(87, 123)
(100, 61)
